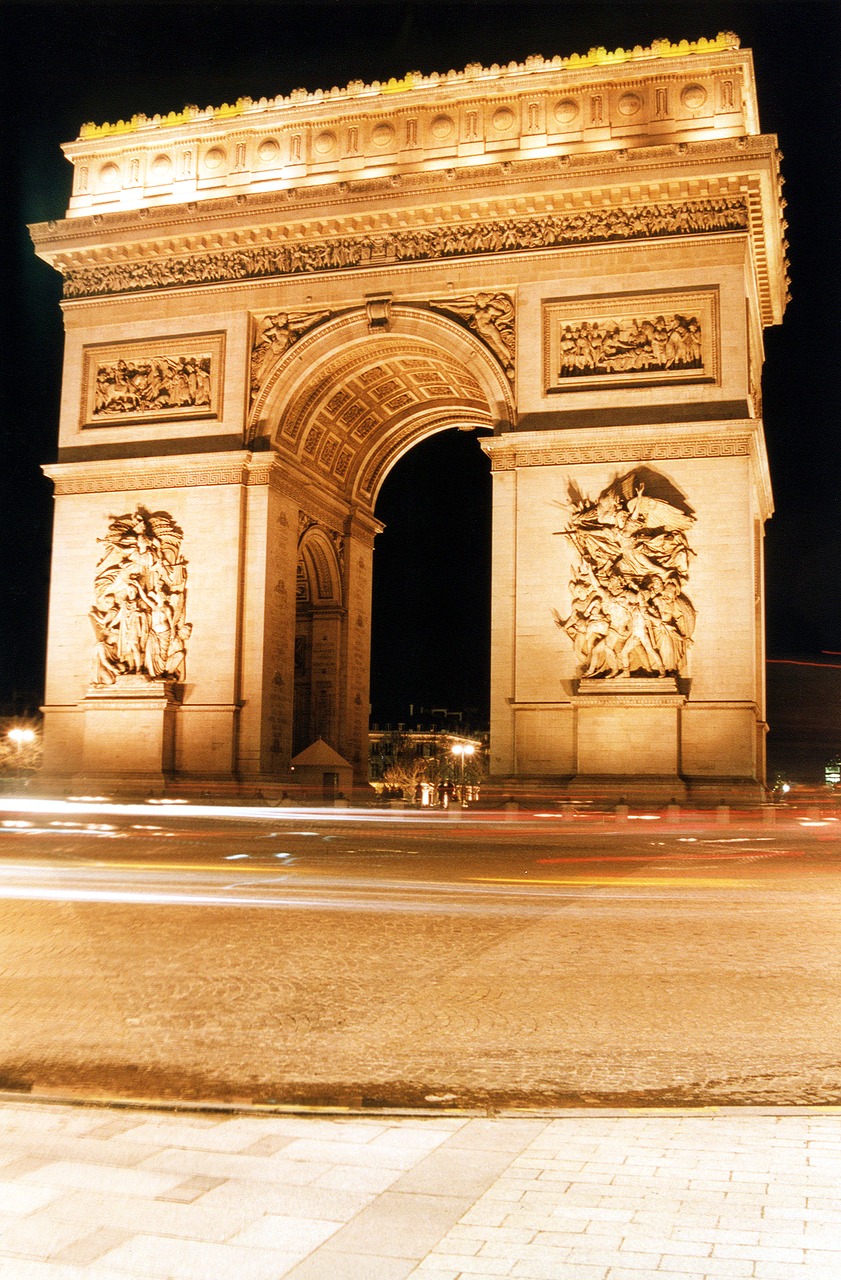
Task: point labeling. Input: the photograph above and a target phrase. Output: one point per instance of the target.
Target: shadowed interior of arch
(430, 644)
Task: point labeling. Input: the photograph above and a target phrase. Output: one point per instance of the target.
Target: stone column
(267, 623)
(503, 618)
(355, 689)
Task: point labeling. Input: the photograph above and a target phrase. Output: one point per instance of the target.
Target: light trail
(635, 881)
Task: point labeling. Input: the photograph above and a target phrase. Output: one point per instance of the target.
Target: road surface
(362, 959)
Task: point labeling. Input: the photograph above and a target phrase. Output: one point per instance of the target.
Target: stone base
(607, 790)
(705, 792)
(590, 685)
(129, 732)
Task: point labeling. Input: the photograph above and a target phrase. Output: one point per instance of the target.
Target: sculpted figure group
(629, 614)
(140, 586)
(141, 386)
(622, 346)
(413, 244)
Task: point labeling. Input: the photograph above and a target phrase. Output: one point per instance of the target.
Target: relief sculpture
(629, 614)
(148, 386)
(630, 345)
(275, 334)
(491, 316)
(140, 589)
(413, 244)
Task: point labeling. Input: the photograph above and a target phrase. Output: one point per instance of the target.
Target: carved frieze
(629, 615)
(630, 340)
(491, 317)
(140, 591)
(414, 244)
(274, 334)
(152, 381)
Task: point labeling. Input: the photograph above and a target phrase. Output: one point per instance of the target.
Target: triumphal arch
(268, 304)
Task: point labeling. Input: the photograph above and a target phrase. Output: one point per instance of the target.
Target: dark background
(64, 64)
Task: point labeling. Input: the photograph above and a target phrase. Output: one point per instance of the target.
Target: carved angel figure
(491, 316)
(629, 615)
(275, 334)
(140, 589)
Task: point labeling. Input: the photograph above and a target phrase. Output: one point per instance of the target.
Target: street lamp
(462, 749)
(21, 738)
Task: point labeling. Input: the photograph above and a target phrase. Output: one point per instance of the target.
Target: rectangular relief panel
(153, 380)
(630, 340)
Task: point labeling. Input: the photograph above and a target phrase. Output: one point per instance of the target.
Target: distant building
(416, 763)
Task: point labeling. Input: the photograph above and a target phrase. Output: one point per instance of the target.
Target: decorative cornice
(139, 474)
(498, 187)
(504, 174)
(587, 226)
(577, 446)
(415, 80)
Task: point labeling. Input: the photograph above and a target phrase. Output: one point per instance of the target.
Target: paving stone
(165, 1257)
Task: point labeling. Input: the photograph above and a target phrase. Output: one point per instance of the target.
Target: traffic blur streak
(443, 862)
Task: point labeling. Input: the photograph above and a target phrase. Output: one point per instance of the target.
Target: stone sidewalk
(114, 1193)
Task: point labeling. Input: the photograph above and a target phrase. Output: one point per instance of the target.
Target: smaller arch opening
(318, 622)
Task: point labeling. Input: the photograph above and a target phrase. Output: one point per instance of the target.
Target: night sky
(65, 64)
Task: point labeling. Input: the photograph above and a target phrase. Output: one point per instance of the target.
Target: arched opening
(318, 636)
(340, 409)
(430, 641)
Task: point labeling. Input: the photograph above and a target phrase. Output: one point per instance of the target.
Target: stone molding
(532, 449)
(140, 474)
(601, 100)
(442, 241)
(743, 157)
(619, 699)
(242, 468)
(576, 446)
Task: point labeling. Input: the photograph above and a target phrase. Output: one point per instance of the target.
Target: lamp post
(462, 749)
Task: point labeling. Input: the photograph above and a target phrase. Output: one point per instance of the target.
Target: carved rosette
(491, 318)
(629, 614)
(140, 599)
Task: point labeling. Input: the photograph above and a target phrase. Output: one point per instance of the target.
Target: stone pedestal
(129, 731)
(630, 729)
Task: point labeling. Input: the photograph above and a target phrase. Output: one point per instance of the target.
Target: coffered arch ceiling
(347, 402)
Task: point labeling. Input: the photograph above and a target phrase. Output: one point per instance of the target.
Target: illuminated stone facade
(268, 304)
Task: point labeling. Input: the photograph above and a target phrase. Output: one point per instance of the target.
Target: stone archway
(577, 256)
(351, 396)
(337, 409)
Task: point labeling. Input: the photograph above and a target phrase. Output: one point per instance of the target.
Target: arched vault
(347, 401)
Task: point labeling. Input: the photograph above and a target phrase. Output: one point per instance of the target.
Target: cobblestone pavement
(703, 982)
(109, 1194)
